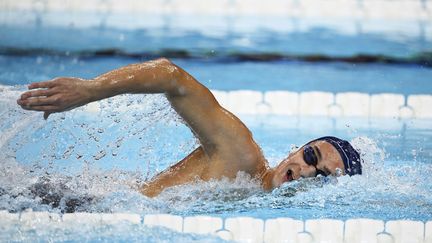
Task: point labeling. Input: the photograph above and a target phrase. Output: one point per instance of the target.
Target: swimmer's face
(326, 160)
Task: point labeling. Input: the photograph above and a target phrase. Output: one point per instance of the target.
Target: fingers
(35, 93)
(36, 101)
(47, 108)
(40, 100)
(46, 84)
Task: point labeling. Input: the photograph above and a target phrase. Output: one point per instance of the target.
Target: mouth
(289, 176)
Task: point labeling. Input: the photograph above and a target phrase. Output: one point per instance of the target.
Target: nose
(307, 171)
(297, 166)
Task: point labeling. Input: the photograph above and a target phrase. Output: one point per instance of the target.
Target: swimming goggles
(310, 157)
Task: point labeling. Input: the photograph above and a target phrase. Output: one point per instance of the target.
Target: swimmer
(226, 144)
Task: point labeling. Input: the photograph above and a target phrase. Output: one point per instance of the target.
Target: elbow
(169, 68)
(164, 61)
(179, 82)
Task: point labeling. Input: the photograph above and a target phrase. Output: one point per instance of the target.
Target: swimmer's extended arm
(227, 145)
(216, 128)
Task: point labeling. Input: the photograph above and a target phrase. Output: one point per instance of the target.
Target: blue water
(83, 161)
(319, 40)
(282, 75)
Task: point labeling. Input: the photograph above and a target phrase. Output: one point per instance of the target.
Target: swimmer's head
(323, 156)
(350, 156)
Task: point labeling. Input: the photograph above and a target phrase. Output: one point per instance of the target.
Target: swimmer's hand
(57, 95)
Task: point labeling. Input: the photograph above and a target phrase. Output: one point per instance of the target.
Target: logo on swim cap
(350, 156)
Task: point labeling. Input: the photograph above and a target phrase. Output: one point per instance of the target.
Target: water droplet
(99, 155)
(338, 172)
(121, 37)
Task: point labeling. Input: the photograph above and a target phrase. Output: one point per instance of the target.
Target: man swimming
(226, 144)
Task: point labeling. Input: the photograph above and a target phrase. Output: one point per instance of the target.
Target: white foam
(31, 218)
(8, 218)
(16, 128)
(371, 154)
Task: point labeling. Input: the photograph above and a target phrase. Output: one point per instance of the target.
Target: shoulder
(242, 151)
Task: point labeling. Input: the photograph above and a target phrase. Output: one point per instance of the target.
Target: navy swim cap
(349, 155)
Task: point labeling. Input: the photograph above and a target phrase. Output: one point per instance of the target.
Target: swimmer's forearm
(158, 76)
(187, 96)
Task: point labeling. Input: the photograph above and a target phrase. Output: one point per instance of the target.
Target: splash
(214, 196)
(93, 158)
(80, 160)
(372, 155)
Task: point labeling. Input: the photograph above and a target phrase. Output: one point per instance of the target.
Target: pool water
(85, 161)
(92, 161)
(121, 232)
(260, 76)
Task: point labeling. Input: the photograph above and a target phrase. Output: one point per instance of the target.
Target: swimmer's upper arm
(216, 128)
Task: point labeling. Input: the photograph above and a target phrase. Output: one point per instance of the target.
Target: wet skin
(227, 145)
(294, 167)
